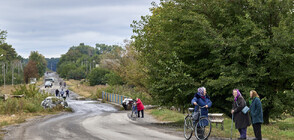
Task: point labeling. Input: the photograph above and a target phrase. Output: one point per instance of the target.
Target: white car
(48, 84)
(51, 79)
(53, 101)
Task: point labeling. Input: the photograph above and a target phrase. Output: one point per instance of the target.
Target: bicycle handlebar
(200, 106)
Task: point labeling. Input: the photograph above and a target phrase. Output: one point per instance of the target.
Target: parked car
(48, 84)
(51, 79)
(53, 101)
(127, 103)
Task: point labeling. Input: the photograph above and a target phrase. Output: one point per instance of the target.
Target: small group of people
(62, 84)
(62, 94)
(242, 121)
(137, 101)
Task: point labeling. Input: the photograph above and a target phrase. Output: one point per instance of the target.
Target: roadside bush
(76, 74)
(97, 76)
(31, 108)
(114, 79)
(9, 107)
(28, 91)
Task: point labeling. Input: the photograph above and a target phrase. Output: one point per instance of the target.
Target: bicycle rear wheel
(188, 127)
(134, 114)
(203, 129)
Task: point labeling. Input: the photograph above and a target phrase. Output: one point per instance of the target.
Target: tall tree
(222, 45)
(30, 71)
(3, 35)
(40, 62)
(7, 52)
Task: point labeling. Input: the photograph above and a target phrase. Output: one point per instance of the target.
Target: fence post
(117, 99)
(121, 99)
(102, 95)
(114, 97)
(107, 97)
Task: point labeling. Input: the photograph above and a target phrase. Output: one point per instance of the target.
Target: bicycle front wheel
(188, 127)
(134, 114)
(203, 129)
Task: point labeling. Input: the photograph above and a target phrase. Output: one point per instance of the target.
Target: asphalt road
(90, 120)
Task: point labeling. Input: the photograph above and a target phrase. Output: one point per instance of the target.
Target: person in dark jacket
(201, 99)
(242, 121)
(256, 114)
(67, 93)
(56, 92)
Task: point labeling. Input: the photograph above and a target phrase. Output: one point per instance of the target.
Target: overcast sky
(51, 27)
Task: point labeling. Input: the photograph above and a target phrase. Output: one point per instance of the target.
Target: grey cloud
(52, 26)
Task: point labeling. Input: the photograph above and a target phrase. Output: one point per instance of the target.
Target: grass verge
(279, 130)
(17, 110)
(95, 92)
(84, 89)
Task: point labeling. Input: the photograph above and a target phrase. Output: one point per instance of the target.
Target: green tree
(8, 52)
(97, 76)
(222, 45)
(3, 35)
(40, 60)
(113, 79)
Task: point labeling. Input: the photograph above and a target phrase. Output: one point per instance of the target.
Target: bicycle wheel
(188, 127)
(134, 114)
(203, 129)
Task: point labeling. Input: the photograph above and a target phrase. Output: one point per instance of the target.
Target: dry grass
(7, 90)
(40, 81)
(82, 89)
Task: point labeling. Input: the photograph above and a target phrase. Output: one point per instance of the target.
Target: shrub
(28, 91)
(31, 108)
(97, 76)
(113, 79)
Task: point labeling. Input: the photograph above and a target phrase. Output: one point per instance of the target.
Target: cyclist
(203, 100)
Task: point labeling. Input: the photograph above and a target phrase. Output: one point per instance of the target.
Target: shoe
(242, 138)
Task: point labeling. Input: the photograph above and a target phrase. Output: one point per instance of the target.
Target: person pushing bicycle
(203, 100)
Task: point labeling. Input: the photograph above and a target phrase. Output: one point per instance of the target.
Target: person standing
(56, 92)
(242, 121)
(203, 100)
(140, 107)
(61, 93)
(256, 114)
(67, 93)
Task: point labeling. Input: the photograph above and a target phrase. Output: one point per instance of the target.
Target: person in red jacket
(140, 107)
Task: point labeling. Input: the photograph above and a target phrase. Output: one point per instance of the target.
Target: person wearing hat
(242, 121)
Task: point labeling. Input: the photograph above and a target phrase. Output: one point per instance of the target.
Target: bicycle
(203, 124)
(134, 110)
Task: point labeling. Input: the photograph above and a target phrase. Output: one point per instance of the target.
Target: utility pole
(4, 74)
(12, 73)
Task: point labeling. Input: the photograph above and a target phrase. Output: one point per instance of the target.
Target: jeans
(243, 132)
